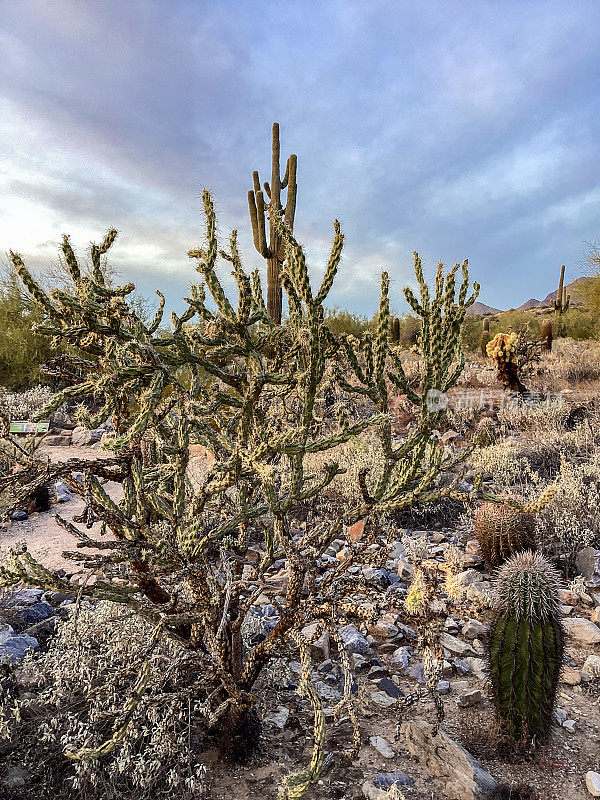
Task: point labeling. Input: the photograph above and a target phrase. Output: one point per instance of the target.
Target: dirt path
(46, 540)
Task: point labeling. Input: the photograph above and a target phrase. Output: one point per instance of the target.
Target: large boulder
(458, 774)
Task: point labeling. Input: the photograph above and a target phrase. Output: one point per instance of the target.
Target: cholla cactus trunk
(503, 531)
(503, 350)
(274, 251)
(486, 324)
(525, 647)
(395, 330)
(546, 336)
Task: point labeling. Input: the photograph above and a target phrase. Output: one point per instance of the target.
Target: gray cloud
(459, 128)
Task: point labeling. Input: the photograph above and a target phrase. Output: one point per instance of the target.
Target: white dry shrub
(504, 464)
(548, 415)
(572, 520)
(80, 686)
(25, 405)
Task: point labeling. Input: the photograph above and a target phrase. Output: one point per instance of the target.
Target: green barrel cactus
(525, 647)
(502, 531)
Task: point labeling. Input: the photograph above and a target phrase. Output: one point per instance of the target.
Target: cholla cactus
(503, 350)
(395, 330)
(525, 647)
(185, 555)
(485, 337)
(546, 336)
(502, 531)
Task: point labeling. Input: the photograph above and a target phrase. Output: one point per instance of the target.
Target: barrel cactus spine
(525, 647)
(502, 531)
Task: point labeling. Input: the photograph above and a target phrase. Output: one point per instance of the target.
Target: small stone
(570, 676)
(356, 531)
(382, 746)
(583, 630)
(386, 685)
(418, 673)
(468, 577)
(24, 597)
(354, 641)
(456, 646)
(377, 672)
(469, 699)
(36, 613)
(443, 687)
(321, 648)
(592, 666)
(587, 562)
(569, 724)
(477, 666)
(462, 667)
(400, 658)
(566, 610)
(63, 493)
(592, 782)
(15, 648)
(279, 718)
(596, 615)
(385, 780)
(382, 699)
(560, 715)
(459, 687)
(479, 592)
(19, 516)
(473, 629)
(327, 692)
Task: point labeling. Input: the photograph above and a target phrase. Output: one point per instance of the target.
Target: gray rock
(468, 577)
(443, 687)
(480, 593)
(455, 645)
(19, 516)
(14, 649)
(354, 641)
(569, 724)
(583, 630)
(382, 746)
(382, 699)
(278, 718)
(400, 658)
(328, 693)
(592, 783)
(390, 688)
(36, 613)
(24, 597)
(592, 666)
(459, 775)
(385, 780)
(560, 715)
(477, 666)
(469, 699)
(321, 648)
(473, 629)
(587, 562)
(6, 631)
(63, 493)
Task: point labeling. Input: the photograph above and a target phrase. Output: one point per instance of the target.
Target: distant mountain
(480, 309)
(533, 303)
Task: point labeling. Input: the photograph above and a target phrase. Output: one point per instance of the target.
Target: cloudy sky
(462, 129)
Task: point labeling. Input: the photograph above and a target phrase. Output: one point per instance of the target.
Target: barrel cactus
(525, 647)
(502, 531)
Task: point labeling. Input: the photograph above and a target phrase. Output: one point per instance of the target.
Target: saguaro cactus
(546, 335)
(503, 531)
(395, 330)
(562, 302)
(525, 648)
(274, 251)
(485, 336)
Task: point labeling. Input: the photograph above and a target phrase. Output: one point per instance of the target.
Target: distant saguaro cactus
(503, 531)
(485, 336)
(274, 251)
(395, 330)
(546, 335)
(562, 302)
(525, 647)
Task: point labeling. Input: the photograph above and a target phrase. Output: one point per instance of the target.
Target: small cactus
(503, 531)
(503, 350)
(525, 647)
(546, 336)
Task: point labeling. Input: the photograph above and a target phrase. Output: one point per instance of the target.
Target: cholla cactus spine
(525, 647)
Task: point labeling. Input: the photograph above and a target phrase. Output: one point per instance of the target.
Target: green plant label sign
(30, 427)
